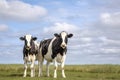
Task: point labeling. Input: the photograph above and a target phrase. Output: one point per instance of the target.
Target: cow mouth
(63, 46)
(28, 48)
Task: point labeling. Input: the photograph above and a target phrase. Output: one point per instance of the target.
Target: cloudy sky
(94, 23)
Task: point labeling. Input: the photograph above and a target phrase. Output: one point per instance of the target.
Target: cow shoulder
(44, 45)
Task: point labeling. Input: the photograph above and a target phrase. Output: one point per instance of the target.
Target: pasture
(73, 72)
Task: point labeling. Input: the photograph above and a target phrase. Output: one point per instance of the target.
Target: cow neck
(57, 42)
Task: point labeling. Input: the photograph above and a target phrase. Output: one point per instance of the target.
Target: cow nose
(63, 46)
(28, 47)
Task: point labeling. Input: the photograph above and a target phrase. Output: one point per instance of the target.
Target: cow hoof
(24, 76)
(55, 77)
(64, 77)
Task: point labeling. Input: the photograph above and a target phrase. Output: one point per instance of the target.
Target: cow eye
(25, 41)
(60, 39)
(66, 40)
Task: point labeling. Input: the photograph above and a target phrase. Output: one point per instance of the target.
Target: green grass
(73, 72)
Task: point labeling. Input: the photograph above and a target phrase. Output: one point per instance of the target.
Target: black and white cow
(54, 50)
(30, 51)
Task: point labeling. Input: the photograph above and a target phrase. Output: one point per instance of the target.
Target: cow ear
(56, 35)
(22, 38)
(34, 38)
(70, 35)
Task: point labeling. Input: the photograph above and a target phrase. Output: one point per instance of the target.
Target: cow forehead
(63, 34)
(28, 37)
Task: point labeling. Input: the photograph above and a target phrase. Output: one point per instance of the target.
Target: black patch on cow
(25, 52)
(56, 48)
(66, 39)
(44, 44)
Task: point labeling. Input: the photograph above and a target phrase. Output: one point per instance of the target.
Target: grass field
(73, 72)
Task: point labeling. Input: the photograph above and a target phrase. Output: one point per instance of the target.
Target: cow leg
(62, 67)
(40, 64)
(32, 66)
(32, 69)
(55, 70)
(25, 68)
(47, 68)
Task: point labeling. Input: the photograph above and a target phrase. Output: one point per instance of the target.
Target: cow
(30, 51)
(54, 50)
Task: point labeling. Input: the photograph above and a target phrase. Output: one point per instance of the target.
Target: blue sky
(94, 23)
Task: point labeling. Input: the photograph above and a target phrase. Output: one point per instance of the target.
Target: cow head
(63, 38)
(28, 39)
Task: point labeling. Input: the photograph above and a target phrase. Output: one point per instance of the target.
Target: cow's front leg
(62, 66)
(32, 69)
(25, 68)
(55, 70)
(32, 66)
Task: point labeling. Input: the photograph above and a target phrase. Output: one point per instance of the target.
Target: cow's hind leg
(40, 65)
(47, 68)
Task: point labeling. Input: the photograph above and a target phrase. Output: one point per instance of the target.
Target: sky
(95, 25)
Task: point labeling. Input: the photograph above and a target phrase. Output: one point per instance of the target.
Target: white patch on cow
(60, 58)
(49, 53)
(28, 38)
(63, 34)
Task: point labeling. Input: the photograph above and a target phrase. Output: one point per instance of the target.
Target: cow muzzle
(28, 47)
(63, 46)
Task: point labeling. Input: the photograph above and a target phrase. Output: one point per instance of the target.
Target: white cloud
(109, 41)
(108, 25)
(3, 27)
(111, 19)
(105, 17)
(18, 10)
(58, 27)
(111, 50)
(86, 39)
